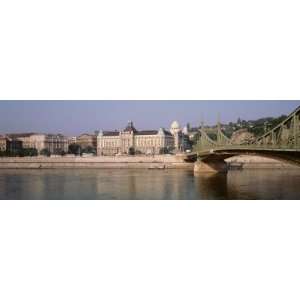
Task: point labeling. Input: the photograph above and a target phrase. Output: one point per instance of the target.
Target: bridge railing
(246, 147)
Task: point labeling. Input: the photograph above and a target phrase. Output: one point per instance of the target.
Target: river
(147, 184)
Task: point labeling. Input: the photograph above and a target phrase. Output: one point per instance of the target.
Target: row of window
(139, 143)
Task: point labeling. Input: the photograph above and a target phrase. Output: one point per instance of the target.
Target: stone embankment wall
(105, 162)
(134, 162)
(258, 162)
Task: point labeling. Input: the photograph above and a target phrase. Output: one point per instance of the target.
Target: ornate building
(181, 139)
(87, 140)
(130, 141)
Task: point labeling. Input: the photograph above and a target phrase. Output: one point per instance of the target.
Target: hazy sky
(75, 117)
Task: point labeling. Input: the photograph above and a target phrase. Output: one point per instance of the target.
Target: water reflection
(148, 184)
(212, 186)
(264, 184)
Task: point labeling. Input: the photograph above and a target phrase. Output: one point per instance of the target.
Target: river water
(148, 184)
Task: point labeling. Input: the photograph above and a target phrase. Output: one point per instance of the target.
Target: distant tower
(186, 129)
(201, 121)
(176, 132)
(219, 122)
(175, 127)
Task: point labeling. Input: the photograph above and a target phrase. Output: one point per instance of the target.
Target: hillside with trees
(257, 127)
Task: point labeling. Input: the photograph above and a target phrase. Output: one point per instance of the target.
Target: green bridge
(281, 142)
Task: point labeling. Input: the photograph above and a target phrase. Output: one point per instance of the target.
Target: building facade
(30, 140)
(132, 141)
(56, 143)
(72, 140)
(13, 145)
(3, 141)
(87, 140)
(53, 142)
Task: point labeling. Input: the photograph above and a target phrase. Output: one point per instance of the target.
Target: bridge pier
(214, 166)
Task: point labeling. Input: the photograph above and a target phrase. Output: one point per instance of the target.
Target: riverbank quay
(97, 162)
(135, 162)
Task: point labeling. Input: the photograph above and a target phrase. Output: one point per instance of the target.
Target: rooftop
(18, 135)
(88, 134)
(130, 127)
(136, 132)
(111, 133)
(146, 132)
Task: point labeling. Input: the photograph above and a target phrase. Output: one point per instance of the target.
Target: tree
(131, 151)
(194, 139)
(212, 135)
(75, 149)
(59, 152)
(163, 150)
(45, 152)
(89, 149)
(28, 152)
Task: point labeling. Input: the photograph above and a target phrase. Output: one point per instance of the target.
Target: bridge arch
(214, 159)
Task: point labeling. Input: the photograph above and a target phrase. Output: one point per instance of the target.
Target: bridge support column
(215, 166)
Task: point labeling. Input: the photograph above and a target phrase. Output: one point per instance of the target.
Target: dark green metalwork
(284, 136)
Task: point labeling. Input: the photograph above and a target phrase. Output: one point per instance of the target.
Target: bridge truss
(285, 135)
(205, 142)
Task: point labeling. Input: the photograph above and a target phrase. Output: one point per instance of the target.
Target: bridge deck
(245, 149)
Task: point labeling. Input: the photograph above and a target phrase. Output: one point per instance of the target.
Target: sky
(76, 117)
